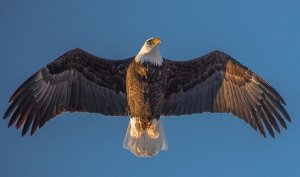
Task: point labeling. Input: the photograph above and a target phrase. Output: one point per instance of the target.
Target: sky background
(263, 35)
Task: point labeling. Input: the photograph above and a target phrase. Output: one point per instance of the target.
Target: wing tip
(5, 116)
(33, 130)
(23, 134)
(287, 117)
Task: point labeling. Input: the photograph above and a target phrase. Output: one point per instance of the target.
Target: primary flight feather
(146, 87)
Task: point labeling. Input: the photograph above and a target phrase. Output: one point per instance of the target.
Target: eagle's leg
(145, 143)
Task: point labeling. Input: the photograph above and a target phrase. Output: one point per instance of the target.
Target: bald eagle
(146, 87)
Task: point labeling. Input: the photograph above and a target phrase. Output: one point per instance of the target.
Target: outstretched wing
(76, 81)
(218, 83)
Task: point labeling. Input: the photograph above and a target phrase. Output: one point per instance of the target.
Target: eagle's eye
(149, 42)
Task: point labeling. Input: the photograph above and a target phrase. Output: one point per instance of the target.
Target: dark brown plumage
(146, 87)
(76, 81)
(218, 83)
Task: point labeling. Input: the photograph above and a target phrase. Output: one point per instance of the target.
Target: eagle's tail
(145, 143)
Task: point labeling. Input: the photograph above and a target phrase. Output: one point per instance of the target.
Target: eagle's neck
(152, 57)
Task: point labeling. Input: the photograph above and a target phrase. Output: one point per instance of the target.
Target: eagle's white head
(149, 52)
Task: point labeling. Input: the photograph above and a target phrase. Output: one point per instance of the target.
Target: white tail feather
(145, 143)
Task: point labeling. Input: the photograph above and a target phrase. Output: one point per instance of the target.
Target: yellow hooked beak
(156, 41)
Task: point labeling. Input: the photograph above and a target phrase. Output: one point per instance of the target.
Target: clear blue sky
(263, 35)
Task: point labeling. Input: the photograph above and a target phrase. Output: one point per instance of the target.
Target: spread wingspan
(76, 81)
(218, 83)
